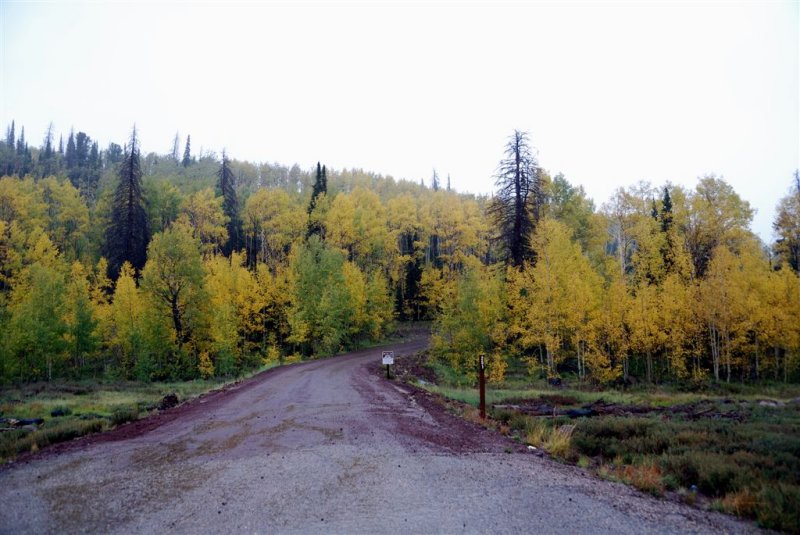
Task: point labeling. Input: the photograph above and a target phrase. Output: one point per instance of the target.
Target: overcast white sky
(611, 93)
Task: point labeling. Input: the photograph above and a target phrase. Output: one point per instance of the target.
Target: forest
(123, 265)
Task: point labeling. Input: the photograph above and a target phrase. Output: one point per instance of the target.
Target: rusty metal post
(482, 382)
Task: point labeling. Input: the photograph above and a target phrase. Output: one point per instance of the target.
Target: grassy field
(74, 409)
(733, 448)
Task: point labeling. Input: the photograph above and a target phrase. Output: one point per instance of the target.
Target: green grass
(649, 397)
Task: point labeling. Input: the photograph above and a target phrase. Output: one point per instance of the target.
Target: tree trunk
(176, 319)
(714, 350)
(625, 368)
(756, 358)
(728, 356)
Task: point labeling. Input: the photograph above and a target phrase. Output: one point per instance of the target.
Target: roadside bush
(121, 415)
(15, 442)
(779, 507)
(612, 437)
(646, 477)
(715, 475)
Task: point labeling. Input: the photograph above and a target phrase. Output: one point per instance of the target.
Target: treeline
(165, 267)
(660, 284)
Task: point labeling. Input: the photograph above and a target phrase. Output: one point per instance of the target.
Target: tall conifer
(516, 207)
(128, 233)
(187, 152)
(320, 187)
(230, 205)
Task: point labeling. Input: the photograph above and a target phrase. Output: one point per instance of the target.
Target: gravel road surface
(328, 446)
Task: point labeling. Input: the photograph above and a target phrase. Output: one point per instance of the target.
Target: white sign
(483, 364)
(388, 358)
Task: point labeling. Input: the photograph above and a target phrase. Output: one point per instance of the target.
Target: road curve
(328, 446)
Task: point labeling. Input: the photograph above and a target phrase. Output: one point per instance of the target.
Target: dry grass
(742, 503)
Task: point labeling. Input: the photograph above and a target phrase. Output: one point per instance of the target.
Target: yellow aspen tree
(611, 337)
(68, 216)
(785, 304)
(272, 222)
(678, 325)
(126, 323)
(80, 319)
(723, 305)
(172, 279)
(472, 322)
(203, 212)
(222, 285)
(553, 302)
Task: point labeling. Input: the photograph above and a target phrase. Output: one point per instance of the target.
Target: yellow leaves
(556, 299)
(356, 224)
(357, 288)
(236, 303)
(272, 222)
(203, 212)
(41, 249)
(471, 320)
(496, 368)
(126, 317)
(205, 366)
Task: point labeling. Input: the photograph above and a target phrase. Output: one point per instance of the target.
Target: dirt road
(322, 447)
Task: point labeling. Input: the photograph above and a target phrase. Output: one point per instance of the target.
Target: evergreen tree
(435, 181)
(320, 187)
(515, 208)
(668, 246)
(448, 181)
(666, 211)
(47, 155)
(21, 145)
(114, 154)
(187, 152)
(69, 155)
(230, 205)
(10, 139)
(61, 144)
(128, 233)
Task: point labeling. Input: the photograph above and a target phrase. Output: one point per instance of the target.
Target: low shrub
(713, 474)
(15, 442)
(558, 441)
(121, 415)
(779, 507)
(646, 477)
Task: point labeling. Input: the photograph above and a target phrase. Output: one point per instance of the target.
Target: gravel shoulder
(327, 446)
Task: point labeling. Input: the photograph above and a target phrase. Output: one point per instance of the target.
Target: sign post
(482, 383)
(388, 360)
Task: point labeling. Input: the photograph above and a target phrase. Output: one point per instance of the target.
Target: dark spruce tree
(114, 155)
(70, 156)
(128, 233)
(320, 187)
(47, 156)
(187, 152)
(10, 139)
(668, 246)
(516, 207)
(230, 205)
